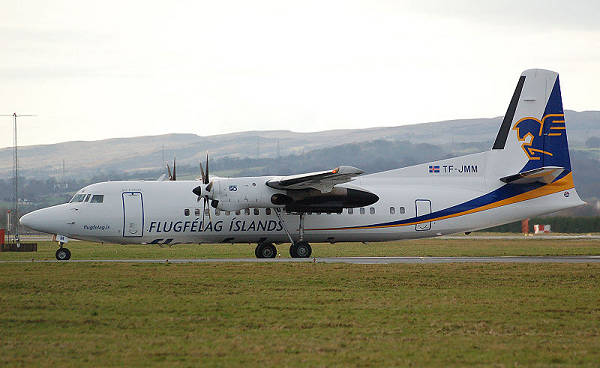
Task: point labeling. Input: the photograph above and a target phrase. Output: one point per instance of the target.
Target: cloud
(537, 15)
(94, 70)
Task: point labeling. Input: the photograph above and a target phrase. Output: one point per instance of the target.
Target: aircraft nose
(32, 220)
(47, 220)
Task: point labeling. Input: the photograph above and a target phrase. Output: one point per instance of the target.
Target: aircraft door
(133, 214)
(423, 207)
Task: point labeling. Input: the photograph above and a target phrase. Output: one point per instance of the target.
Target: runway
(520, 237)
(473, 236)
(350, 260)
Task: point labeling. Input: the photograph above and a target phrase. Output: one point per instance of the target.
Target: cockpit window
(87, 197)
(78, 198)
(97, 198)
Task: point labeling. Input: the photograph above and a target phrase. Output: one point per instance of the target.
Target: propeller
(201, 192)
(172, 175)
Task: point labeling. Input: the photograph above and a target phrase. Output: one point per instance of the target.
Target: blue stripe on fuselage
(502, 193)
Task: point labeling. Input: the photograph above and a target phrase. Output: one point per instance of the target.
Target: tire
(293, 253)
(63, 254)
(265, 250)
(256, 250)
(303, 250)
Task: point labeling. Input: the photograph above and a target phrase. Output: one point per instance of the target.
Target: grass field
(417, 248)
(66, 314)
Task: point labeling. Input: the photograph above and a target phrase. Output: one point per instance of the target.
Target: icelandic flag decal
(434, 169)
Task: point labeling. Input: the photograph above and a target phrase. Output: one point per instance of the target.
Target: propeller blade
(202, 174)
(204, 208)
(203, 211)
(207, 177)
(209, 215)
(174, 173)
(170, 174)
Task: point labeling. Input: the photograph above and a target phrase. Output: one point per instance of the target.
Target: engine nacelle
(312, 200)
(233, 194)
(240, 193)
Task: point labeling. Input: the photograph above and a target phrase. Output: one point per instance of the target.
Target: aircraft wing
(320, 180)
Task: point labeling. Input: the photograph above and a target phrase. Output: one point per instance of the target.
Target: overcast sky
(101, 69)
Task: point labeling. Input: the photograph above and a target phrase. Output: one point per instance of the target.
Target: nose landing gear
(63, 254)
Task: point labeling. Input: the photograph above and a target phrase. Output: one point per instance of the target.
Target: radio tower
(16, 170)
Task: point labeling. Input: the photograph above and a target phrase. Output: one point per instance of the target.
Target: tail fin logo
(530, 131)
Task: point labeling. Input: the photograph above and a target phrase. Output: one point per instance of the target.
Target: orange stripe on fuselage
(564, 183)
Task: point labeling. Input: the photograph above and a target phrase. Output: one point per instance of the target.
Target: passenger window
(247, 211)
(256, 212)
(186, 212)
(237, 212)
(227, 213)
(97, 198)
(392, 210)
(362, 211)
(268, 211)
(350, 211)
(402, 210)
(197, 212)
(207, 212)
(217, 212)
(372, 210)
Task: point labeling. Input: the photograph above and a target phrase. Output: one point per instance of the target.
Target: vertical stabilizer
(533, 134)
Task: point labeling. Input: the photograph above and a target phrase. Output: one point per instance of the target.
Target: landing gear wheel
(303, 249)
(265, 250)
(300, 249)
(293, 253)
(63, 254)
(256, 253)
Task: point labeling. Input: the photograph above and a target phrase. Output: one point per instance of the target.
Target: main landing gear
(298, 249)
(63, 254)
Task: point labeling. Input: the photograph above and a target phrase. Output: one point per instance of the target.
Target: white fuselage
(442, 197)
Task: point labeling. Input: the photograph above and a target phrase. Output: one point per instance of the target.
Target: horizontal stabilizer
(544, 175)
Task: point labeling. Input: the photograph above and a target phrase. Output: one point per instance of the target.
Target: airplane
(526, 173)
